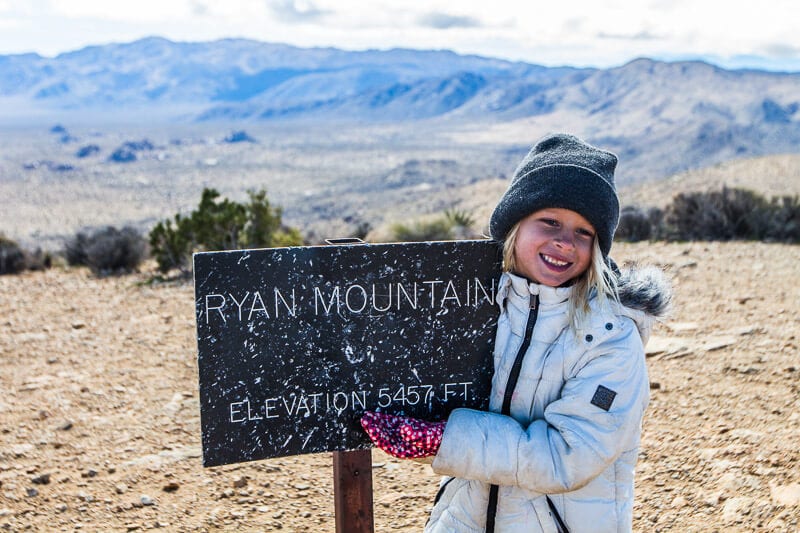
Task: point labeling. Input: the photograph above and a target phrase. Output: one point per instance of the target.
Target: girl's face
(553, 246)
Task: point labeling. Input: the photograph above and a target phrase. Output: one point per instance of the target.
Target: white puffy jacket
(575, 416)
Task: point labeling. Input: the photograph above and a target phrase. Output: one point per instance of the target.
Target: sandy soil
(100, 430)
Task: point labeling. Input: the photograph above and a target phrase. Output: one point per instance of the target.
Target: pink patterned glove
(402, 436)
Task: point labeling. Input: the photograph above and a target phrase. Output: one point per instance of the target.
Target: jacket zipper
(511, 384)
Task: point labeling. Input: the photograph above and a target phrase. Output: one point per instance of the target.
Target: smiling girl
(557, 449)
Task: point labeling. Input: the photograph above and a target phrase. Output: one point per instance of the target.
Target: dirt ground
(100, 426)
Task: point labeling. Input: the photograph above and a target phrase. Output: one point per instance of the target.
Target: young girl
(557, 450)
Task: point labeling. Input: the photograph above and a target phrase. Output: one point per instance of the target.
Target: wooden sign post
(295, 344)
(352, 475)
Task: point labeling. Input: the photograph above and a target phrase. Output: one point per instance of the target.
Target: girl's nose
(564, 240)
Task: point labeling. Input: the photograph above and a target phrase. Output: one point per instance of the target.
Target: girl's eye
(585, 233)
(550, 221)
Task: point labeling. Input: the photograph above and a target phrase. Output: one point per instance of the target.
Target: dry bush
(107, 250)
(722, 215)
(12, 257)
(727, 214)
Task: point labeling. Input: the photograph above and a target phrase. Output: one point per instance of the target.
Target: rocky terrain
(100, 428)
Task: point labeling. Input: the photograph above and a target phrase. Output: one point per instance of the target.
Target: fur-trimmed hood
(645, 288)
(646, 296)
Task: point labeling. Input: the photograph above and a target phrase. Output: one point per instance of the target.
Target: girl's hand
(401, 436)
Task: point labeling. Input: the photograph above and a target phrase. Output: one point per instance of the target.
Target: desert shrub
(637, 224)
(438, 229)
(451, 224)
(127, 152)
(361, 230)
(171, 244)
(107, 250)
(12, 257)
(38, 260)
(785, 221)
(240, 136)
(459, 217)
(220, 224)
(75, 249)
(719, 215)
(86, 151)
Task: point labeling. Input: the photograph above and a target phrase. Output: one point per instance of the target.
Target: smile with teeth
(550, 260)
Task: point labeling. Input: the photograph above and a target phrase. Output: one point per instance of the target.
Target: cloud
(198, 8)
(643, 35)
(295, 11)
(443, 21)
(781, 50)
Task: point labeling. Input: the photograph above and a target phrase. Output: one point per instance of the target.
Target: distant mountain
(661, 117)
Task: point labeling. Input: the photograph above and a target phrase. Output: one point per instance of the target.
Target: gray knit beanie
(562, 171)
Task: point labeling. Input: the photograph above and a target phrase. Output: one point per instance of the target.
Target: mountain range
(663, 117)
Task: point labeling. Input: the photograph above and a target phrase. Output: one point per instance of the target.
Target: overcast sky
(601, 33)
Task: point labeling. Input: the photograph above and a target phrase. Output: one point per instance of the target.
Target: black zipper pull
(534, 301)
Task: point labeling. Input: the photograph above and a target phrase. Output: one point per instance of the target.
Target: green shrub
(451, 224)
(171, 244)
(459, 218)
(12, 257)
(107, 250)
(439, 229)
(219, 224)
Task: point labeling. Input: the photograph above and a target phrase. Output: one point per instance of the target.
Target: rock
(713, 499)
(730, 482)
(735, 509)
(166, 457)
(679, 327)
(679, 502)
(146, 500)
(788, 495)
(717, 343)
(42, 479)
(21, 450)
(121, 488)
(666, 346)
(170, 487)
(31, 492)
(240, 482)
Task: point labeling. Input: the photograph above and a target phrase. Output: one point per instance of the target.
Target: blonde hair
(597, 280)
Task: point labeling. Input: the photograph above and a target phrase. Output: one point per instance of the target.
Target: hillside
(772, 176)
(662, 117)
(327, 184)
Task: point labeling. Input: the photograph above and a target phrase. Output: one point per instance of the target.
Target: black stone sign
(294, 344)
